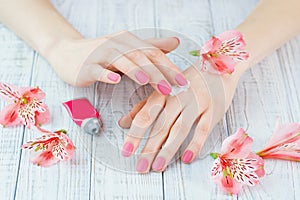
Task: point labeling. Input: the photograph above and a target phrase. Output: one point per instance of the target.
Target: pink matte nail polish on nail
(159, 163)
(113, 77)
(127, 149)
(181, 80)
(142, 165)
(187, 156)
(164, 87)
(142, 77)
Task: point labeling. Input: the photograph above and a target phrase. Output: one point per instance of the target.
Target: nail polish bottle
(84, 115)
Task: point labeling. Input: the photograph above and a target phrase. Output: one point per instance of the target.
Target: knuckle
(203, 129)
(154, 53)
(135, 55)
(143, 118)
(196, 144)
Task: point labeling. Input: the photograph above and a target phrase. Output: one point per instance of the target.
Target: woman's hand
(81, 62)
(204, 103)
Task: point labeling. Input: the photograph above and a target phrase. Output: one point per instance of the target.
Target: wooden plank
(113, 176)
(15, 68)
(67, 180)
(253, 108)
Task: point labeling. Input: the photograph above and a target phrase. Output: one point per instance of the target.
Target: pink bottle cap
(80, 110)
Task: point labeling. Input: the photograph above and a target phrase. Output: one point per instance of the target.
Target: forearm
(37, 22)
(270, 25)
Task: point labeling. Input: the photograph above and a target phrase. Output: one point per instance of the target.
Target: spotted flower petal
(51, 148)
(9, 92)
(237, 165)
(26, 106)
(220, 54)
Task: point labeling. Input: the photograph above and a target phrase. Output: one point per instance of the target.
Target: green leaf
(214, 155)
(194, 53)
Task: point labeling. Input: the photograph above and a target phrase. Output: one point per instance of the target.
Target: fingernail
(164, 87)
(142, 165)
(187, 156)
(177, 39)
(127, 149)
(142, 77)
(158, 164)
(113, 77)
(181, 80)
(120, 120)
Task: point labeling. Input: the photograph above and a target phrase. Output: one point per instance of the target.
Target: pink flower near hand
(284, 143)
(237, 165)
(220, 54)
(51, 148)
(25, 106)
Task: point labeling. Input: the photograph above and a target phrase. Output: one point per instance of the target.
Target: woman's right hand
(82, 62)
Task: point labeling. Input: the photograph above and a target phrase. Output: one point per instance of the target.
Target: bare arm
(37, 22)
(80, 61)
(271, 24)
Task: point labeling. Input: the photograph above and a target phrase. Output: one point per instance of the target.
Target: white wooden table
(266, 91)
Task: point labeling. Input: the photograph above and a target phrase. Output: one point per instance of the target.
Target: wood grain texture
(98, 171)
(15, 68)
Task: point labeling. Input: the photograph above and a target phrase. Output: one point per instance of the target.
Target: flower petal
(237, 145)
(44, 159)
(9, 92)
(33, 92)
(216, 169)
(228, 184)
(230, 34)
(284, 132)
(233, 45)
(211, 45)
(9, 116)
(42, 118)
(223, 64)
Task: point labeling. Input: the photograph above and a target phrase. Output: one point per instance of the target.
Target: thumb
(164, 44)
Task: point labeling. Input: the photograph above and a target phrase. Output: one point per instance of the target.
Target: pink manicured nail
(113, 77)
(187, 156)
(142, 165)
(127, 149)
(142, 77)
(159, 164)
(164, 87)
(181, 80)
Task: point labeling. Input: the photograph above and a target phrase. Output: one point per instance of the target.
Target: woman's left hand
(204, 103)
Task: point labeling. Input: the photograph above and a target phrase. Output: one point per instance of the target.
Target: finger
(166, 67)
(95, 72)
(178, 134)
(157, 57)
(158, 134)
(142, 122)
(126, 120)
(125, 65)
(201, 133)
(157, 79)
(164, 44)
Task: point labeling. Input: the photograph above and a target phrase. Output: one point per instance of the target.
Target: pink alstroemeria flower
(51, 148)
(220, 54)
(284, 143)
(237, 165)
(25, 106)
